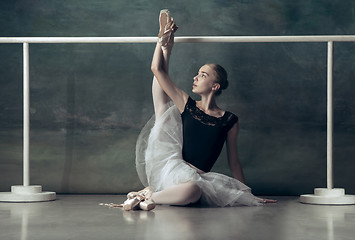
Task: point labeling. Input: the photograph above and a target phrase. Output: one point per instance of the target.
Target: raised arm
(232, 151)
(178, 96)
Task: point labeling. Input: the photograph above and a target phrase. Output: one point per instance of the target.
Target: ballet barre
(28, 193)
(187, 39)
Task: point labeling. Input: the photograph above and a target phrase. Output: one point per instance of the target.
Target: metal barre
(186, 39)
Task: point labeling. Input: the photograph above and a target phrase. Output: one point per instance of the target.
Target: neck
(208, 102)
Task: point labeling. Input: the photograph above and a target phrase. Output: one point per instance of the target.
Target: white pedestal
(325, 196)
(27, 194)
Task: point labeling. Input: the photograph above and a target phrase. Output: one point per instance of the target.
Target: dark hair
(222, 77)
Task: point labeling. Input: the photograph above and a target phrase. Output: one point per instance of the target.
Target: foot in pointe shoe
(147, 192)
(133, 203)
(147, 205)
(131, 195)
(167, 28)
(139, 200)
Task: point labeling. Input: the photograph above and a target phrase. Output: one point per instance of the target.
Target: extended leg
(160, 98)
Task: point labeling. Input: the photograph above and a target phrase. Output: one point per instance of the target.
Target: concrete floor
(81, 217)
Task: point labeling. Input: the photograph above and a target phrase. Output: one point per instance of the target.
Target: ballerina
(179, 145)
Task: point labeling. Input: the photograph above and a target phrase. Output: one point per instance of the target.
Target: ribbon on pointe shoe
(146, 192)
(111, 205)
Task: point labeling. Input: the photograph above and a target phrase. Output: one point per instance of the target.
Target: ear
(216, 86)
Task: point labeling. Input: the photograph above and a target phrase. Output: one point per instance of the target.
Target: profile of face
(205, 82)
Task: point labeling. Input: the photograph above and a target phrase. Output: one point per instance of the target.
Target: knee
(192, 193)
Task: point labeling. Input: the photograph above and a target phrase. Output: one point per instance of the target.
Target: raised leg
(160, 98)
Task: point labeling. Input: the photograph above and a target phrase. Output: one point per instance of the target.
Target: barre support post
(329, 195)
(26, 193)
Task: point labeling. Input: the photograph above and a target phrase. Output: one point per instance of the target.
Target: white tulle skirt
(160, 164)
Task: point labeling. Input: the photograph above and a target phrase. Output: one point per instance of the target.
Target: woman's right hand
(168, 42)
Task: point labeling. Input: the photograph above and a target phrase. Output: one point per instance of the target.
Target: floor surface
(81, 217)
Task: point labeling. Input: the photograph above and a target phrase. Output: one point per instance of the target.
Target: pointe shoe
(147, 205)
(167, 28)
(131, 204)
(135, 200)
(164, 20)
(147, 192)
(131, 195)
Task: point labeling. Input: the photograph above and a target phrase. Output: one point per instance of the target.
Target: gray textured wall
(89, 101)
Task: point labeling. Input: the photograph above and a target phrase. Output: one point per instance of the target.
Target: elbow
(155, 69)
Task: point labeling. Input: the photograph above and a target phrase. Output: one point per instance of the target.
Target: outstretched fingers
(173, 26)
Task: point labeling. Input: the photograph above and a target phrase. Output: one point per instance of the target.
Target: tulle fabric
(160, 164)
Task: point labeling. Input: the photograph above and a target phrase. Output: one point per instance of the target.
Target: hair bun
(222, 77)
(225, 85)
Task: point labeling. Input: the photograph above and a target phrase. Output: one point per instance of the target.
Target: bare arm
(178, 96)
(234, 163)
(232, 151)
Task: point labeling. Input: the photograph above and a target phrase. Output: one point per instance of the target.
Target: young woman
(179, 145)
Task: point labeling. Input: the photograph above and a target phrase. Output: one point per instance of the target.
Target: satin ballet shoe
(147, 192)
(167, 28)
(144, 192)
(147, 205)
(135, 200)
(164, 21)
(131, 195)
(133, 203)
(136, 204)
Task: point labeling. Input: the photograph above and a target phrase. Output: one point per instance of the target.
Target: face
(205, 81)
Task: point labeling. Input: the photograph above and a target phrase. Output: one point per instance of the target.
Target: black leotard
(204, 135)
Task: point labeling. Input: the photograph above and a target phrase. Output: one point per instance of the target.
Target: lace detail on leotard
(228, 119)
